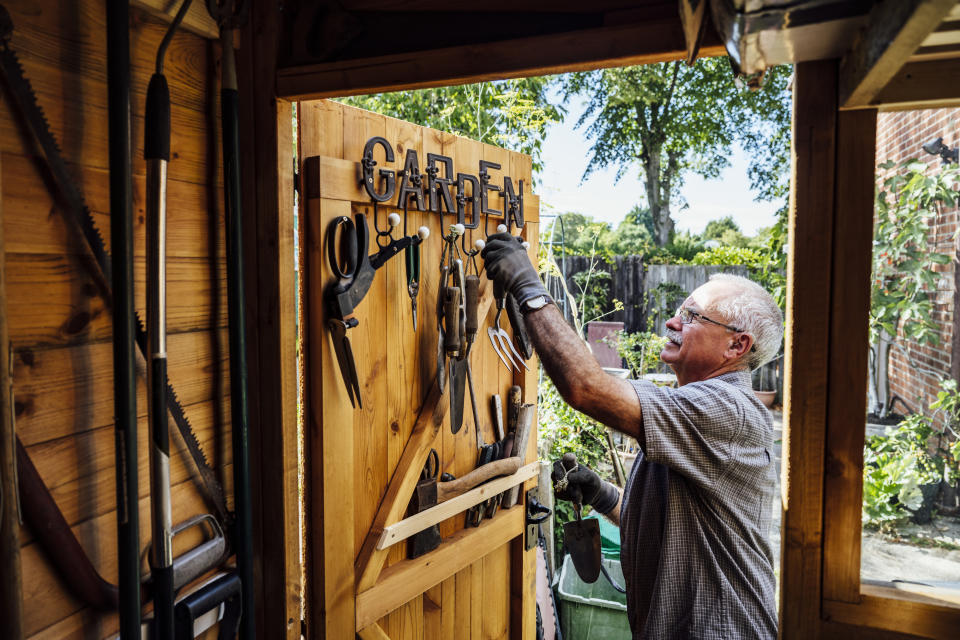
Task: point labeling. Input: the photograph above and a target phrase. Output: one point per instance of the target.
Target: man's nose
(674, 323)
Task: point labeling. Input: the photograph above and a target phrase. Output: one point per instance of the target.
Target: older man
(695, 513)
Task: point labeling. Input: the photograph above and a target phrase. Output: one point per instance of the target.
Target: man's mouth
(675, 337)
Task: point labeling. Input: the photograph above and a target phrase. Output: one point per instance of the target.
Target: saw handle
(472, 286)
(451, 310)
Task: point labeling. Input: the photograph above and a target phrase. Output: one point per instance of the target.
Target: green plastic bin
(592, 611)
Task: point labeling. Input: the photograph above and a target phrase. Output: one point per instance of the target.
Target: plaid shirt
(696, 514)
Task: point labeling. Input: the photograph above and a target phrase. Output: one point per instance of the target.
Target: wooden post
(267, 169)
(11, 603)
(807, 345)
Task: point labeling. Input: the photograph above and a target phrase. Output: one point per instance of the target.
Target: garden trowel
(582, 537)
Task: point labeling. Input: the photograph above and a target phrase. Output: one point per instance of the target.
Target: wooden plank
(495, 621)
(401, 582)
(849, 348)
(433, 611)
(922, 85)
(331, 428)
(52, 301)
(833, 630)
(197, 20)
(64, 391)
(615, 45)
(807, 342)
(414, 524)
(462, 604)
(373, 632)
(893, 610)
(895, 29)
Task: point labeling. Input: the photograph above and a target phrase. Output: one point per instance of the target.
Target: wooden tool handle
(452, 489)
(513, 407)
(451, 309)
(472, 287)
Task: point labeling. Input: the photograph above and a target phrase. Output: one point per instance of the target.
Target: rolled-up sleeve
(691, 429)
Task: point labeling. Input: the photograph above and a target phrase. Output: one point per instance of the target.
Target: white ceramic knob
(393, 219)
(423, 232)
(501, 228)
(480, 244)
(457, 229)
(525, 244)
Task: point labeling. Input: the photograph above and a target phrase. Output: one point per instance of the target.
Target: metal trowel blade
(582, 539)
(458, 388)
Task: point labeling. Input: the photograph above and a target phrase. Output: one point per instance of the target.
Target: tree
(671, 120)
(509, 113)
(716, 228)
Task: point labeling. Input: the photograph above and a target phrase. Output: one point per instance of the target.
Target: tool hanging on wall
(156, 152)
(353, 271)
(230, 15)
(424, 497)
(37, 133)
(124, 320)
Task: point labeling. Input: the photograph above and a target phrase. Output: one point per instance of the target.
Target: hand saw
(78, 215)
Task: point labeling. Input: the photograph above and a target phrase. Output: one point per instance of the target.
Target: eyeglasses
(687, 316)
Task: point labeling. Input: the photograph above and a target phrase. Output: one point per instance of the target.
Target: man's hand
(583, 485)
(509, 267)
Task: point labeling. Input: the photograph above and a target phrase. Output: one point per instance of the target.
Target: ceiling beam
(922, 85)
(895, 29)
(620, 45)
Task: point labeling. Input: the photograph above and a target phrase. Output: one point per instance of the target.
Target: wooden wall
(359, 457)
(60, 329)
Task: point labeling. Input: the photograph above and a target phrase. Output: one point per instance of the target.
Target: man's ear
(740, 346)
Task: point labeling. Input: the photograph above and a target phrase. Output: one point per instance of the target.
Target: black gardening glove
(582, 485)
(510, 269)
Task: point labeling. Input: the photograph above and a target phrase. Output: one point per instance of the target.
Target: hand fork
(500, 339)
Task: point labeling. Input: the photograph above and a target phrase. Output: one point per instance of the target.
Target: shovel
(582, 537)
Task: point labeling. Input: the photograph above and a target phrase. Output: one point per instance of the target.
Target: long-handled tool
(124, 357)
(229, 15)
(156, 152)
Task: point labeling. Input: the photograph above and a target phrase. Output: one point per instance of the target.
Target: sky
(565, 156)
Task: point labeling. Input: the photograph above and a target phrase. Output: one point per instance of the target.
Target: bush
(727, 255)
(641, 350)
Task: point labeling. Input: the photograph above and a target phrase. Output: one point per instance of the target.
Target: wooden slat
(896, 28)
(407, 527)
(849, 347)
(923, 85)
(807, 342)
(893, 610)
(373, 632)
(405, 580)
(330, 420)
(197, 20)
(616, 45)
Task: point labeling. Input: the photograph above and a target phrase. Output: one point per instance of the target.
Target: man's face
(698, 350)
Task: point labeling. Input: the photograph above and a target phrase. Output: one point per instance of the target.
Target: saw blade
(79, 216)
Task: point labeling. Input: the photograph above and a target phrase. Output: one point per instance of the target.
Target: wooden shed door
(363, 463)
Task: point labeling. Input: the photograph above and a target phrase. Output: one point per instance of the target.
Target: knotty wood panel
(356, 451)
(60, 325)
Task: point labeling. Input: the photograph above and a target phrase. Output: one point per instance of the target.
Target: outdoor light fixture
(937, 148)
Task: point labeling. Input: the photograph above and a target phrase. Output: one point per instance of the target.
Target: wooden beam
(848, 351)
(892, 609)
(923, 85)
(268, 248)
(414, 524)
(373, 632)
(407, 579)
(197, 20)
(371, 559)
(807, 343)
(620, 45)
(896, 28)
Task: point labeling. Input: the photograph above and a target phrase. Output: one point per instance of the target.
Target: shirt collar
(739, 378)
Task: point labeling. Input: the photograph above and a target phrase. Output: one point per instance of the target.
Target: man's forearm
(614, 514)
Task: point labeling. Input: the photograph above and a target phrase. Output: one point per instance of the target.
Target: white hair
(753, 310)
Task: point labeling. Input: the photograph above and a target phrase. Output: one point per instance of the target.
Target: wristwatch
(534, 303)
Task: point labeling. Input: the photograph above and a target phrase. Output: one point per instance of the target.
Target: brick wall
(915, 371)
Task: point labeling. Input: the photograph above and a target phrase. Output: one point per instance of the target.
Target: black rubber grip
(472, 286)
(156, 127)
(161, 432)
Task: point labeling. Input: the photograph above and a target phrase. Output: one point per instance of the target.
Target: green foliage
(726, 255)
(716, 228)
(684, 246)
(948, 401)
(641, 350)
(512, 114)
(904, 278)
(669, 121)
(594, 286)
